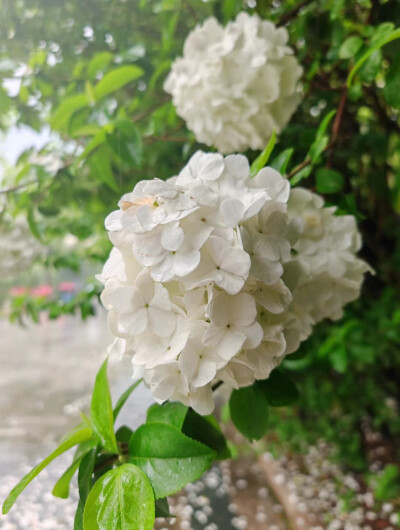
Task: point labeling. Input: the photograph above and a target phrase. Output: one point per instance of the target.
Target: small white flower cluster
(234, 86)
(18, 248)
(325, 273)
(195, 284)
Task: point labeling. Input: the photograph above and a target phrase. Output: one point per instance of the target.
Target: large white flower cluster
(235, 85)
(18, 247)
(196, 283)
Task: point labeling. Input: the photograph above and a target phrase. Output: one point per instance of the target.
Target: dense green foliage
(93, 72)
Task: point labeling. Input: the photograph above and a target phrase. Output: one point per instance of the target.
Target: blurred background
(83, 117)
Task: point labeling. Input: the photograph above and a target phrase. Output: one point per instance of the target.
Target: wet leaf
(169, 458)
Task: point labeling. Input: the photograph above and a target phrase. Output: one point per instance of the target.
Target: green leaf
(94, 144)
(230, 8)
(387, 36)
(116, 79)
(48, 210)
(162, 508)
(78, 521)
(169, 458)
(121, 499)
(60, 118)
(263, 158)
(75, 437)
(391, 90)
(133, 139)
(61, 487)
(350, 47)
(5, 101)
(126, 127)
(33, 224)
(102, 417)
(300, 175)
(371, 67)
(280, 163)
(100, 164)
(324, 125)
(124, 434)
(172, 413)
(317, 148)
(99, 63)
(328, 181)
(124, 398)
(205, 429)
(278, 389)
(86, 473)
(249, 412)
(125, 149)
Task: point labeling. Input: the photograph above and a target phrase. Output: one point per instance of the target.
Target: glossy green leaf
(350, 47)
(317, 148)
(281, 162)
(75, 437)
(249, 411)
(278, 389)
(169, 458)
(124, 398)
(172, 413)
(85, 474)
(121, 499)
(388, 36)
(323, 126)
(262, 159)
(61, 487)
(101, 411)
(116, 79)
(205, 429)
(162, 508)
(328, 181)
(78, 520)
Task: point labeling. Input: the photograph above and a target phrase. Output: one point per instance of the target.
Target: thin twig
(287, 17)
(19, 187)
(337, 123)
(339, 115)
(306, 163)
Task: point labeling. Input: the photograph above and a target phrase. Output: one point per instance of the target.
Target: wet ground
(46, 377)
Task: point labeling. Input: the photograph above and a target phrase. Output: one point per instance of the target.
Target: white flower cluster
(325, 272)
(18, 248)
(235, 85)
(196, 282)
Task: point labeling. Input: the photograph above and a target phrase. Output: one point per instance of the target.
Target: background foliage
(91, 73)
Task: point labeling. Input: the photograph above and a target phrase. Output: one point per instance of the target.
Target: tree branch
(306, 163)
(19, 187)
(287, 17)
